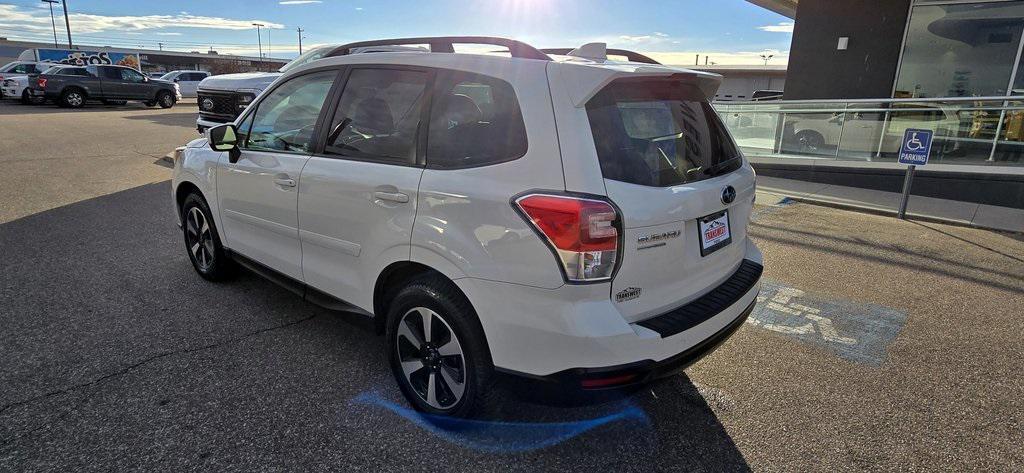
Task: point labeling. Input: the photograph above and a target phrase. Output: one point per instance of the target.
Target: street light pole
(259, 41)
(52, 22)
(67, 23)
(299, 30)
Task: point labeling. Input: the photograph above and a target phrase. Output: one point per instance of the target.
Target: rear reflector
(583, 232)
(597, 383)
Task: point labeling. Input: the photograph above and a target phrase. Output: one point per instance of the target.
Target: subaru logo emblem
(207, 104)
(728, 195)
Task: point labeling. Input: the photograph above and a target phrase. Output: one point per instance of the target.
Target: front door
(357, 200)
(258, 193)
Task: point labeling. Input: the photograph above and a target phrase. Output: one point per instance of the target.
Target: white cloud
(660, 34)
(166, 33)
(33, 20)
(784, 27)
(298, 2)
(359, 8)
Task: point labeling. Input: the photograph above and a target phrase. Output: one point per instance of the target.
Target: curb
(893, 213)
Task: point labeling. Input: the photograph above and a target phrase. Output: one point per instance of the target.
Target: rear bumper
(575, 332)
(639, 372)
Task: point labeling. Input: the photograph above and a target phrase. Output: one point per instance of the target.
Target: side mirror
(224, 138)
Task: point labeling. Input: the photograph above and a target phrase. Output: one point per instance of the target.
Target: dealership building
(862, 72)
(157, 60)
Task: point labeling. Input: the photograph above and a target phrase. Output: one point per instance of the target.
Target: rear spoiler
(583, 81)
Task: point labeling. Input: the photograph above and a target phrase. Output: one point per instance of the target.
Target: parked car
(111, 84)
(222, 98)
(155, 75)
(16, 69)
(563, 218)
(188, 81)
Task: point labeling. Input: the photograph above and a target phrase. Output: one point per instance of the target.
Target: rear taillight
(583, 232)
(41, 82)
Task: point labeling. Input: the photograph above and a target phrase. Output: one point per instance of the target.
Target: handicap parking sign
(917, 144)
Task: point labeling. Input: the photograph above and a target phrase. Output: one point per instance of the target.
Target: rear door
(357, 195)
(113, 85)
(681, 186)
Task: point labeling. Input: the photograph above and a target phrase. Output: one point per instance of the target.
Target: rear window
(659, 133)
(475, 121)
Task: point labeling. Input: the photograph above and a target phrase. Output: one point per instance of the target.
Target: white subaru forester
(551, 214)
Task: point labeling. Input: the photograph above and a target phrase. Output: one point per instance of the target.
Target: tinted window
(378, 115)
(475, 121)
(130, 75)
(23, 69)
(285, 119)
(110, 73)
(658, 133)
(196, 76)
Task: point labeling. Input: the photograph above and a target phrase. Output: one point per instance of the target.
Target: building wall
(867, 69)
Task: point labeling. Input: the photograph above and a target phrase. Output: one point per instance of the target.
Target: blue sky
(728, 31)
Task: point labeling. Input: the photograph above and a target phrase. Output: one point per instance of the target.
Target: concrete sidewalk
(919, 208)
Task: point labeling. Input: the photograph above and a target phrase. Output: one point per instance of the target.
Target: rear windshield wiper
(721, 166)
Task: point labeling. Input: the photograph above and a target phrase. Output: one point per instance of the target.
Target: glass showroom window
(960, 49)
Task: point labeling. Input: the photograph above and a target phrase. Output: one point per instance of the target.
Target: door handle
(392, 196)
(283, 182)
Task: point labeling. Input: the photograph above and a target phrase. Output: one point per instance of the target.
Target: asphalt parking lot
(878, 344)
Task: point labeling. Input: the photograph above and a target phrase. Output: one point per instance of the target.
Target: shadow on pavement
(118, 356)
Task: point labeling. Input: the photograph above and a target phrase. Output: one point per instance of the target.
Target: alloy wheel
(431, 358)
(199, 238)
(74, 99)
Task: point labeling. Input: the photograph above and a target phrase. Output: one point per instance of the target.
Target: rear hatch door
(681, 186)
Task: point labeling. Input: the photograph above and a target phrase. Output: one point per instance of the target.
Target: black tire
(165, 99)
(72, 98)
(204, 248)
(26, 99)
(452, 317)
(149, 103)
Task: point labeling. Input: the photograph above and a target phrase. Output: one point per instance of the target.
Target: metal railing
(968, 130)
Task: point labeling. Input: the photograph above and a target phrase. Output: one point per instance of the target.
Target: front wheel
(437, 350)
(165, 99)
(201, 241)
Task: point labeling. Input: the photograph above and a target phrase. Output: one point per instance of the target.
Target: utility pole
(259, 41)
(299, 30)
(161, 46)
(52, 22)
(268, 44)
(67, 23)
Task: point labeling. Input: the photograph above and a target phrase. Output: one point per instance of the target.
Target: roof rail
(443, 44)
(632, 56)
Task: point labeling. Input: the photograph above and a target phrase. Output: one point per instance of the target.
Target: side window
(475, 121)
(23, 69)
(378, 116)
(92, 70)
(130, 75)
(285, 119)
(112, 73)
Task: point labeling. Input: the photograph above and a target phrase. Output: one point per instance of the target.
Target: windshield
(657, 132)
(307, 57)
(166, 76)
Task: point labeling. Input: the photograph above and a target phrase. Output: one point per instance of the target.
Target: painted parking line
(855, 331)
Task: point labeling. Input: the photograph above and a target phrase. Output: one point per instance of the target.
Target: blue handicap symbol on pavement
(917, 145)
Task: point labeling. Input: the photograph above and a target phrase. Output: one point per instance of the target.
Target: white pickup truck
(222, 98)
